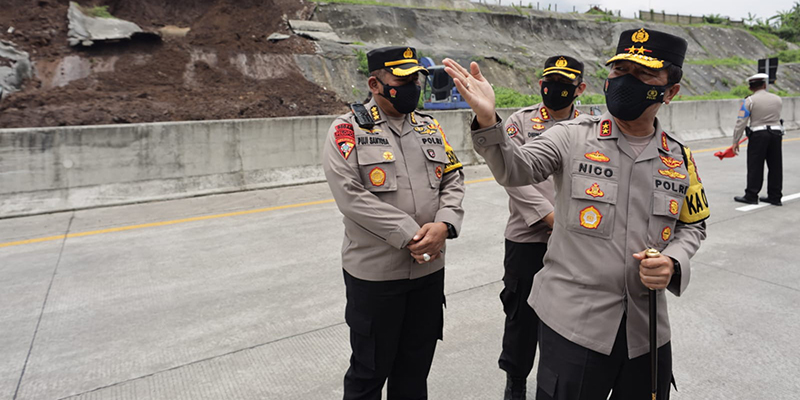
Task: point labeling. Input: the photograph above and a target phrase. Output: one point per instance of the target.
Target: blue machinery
(439, 92)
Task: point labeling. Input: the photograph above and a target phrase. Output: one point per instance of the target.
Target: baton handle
(653, 253)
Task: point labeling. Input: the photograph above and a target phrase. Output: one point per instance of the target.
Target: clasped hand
(429, 240)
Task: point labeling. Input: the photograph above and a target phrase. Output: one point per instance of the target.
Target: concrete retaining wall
(55, 169)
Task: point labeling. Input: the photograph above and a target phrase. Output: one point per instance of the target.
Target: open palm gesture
(475, 89)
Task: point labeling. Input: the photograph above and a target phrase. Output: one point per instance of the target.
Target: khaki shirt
(388, 184)
(761, 108)
(527, 205)
(609, 204)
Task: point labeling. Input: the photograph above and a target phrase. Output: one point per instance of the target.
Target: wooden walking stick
(653, 253)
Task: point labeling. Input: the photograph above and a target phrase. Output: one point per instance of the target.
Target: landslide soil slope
(223, 68)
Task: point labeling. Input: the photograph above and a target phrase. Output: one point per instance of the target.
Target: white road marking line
(757, 206)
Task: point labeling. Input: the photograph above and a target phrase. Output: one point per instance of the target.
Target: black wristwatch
(451, 231)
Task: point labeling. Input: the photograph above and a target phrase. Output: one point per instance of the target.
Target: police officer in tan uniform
(623, 184)
(400, 186)
(765, 133)
(531, 220)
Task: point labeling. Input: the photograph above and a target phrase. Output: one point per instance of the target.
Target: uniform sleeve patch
(512, 130)
(345, 139)
(744, 112)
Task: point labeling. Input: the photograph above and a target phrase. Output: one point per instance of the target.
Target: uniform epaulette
(423, 114)
(675, 138)
(586, 120)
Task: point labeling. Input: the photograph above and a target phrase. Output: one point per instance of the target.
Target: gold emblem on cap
(561, 63)
(640, 36)
(408, 53)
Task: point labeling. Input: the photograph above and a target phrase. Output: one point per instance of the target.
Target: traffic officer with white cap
(623, 185)
(762, 110)
(400, 186)
(531, 220)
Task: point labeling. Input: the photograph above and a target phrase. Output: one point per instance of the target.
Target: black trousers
(522, 262)
(568, 371)
(394, 327)
(764, 146)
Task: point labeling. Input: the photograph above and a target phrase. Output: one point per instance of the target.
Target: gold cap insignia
(561, 63)
(408, 53)
(640, 36)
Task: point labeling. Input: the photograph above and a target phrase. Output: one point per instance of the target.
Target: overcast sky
(735, 9)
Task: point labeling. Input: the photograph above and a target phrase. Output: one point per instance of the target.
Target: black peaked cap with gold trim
(400, 61)
(563, 65)
(650, 48)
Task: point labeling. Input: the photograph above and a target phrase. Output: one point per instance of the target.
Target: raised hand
(475, 89)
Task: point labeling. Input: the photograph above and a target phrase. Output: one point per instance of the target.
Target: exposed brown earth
(223, 68)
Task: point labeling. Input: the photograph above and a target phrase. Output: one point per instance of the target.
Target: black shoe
(767, 200)
(516, 388)
(742, 199)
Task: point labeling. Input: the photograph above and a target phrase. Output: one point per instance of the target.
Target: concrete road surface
(241, 296)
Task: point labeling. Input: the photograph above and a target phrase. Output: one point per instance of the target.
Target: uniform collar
(659, 144)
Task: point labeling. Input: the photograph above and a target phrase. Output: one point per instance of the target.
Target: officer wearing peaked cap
(762, 110)
(531, 220)
(623, 184)
(399, 185)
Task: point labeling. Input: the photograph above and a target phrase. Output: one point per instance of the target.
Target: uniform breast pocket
(437, 158)
(377, 168)
(592, 206)
(666, 210)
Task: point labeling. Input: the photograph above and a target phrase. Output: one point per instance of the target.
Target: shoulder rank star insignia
(590, 217)
(605, 128)
(544, 113)
(595, 191)
(670, 162)
(377, 177)
(577, 113)
(375, 115)
(666, 233)
(597, 156)
(671, 173)
(673, 207)
(664, 141)
(538, 127)
(388, 156)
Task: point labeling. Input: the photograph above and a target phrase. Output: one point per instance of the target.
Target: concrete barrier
(56, 169)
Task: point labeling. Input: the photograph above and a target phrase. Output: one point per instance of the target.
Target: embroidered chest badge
(670, 162)
(439, 172)
(597, 156)
(377, 176)
(536, 119)
(538, 127)
(388, 156)
(671, 173)
(590, 217)
(431, 153)
(595, 191)
(673, 207)
(666, 233)
(605, 128)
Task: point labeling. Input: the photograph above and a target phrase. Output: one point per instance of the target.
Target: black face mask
(557, 95)
(403, 98)
(628, 97)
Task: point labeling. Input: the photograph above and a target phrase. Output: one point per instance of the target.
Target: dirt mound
(223, 68)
